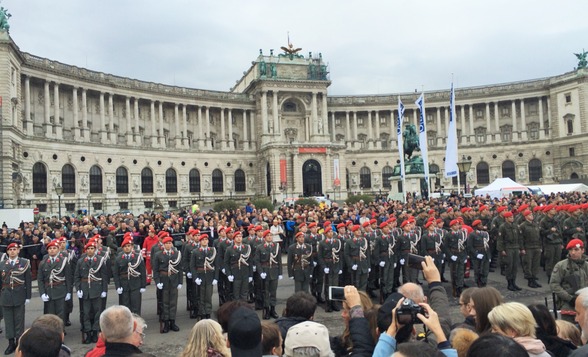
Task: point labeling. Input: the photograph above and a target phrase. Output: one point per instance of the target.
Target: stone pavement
(171, 344)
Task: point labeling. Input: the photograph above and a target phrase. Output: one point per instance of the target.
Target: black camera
(407, 312)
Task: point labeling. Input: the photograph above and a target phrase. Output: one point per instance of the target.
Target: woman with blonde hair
(569, 332)
(206, 339)
(515, 320)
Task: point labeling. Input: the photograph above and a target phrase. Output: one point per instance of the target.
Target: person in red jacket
(149, 242)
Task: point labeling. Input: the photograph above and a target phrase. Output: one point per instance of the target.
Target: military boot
(537, 285)
(11, 347)
(173, 326)
(273, 312)
(530, 283)
(165, 327)
(266, 314)
(335, 306)
(510, 286)
(329, 306)
(87, 338)
(94, 336)
(514, 285)
(319, 298)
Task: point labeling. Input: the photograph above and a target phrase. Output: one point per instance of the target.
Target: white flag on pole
(399, 133)
(423, 136)
(451, 169)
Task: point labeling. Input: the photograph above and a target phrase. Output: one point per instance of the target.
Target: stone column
(76, 125)
(275, 114)
(471, 120)
(223, 137)
(245, 131)
(523, 121)
(447, 121)
(370, 140)
(325, 115)
(488, 136)
(177, 136)
(377, 141)
(496, 121)
(48, 126)
(333, 135)
(153, 125)
(541, 124)
(113, 136)
(313, 115)
(252, 131)
(201, 137)
(415, 119)
(549, 123)
(354, 128)
(129, 122)
(347, 127)
(161, 135)
(56, 116)
(264, 122)
(30, 130)
(185, 139)
(208, 132)
(103, 132)
(462, 121)
(138, 138)
(514, 118)
(85, 130)
(439, 122)
(231, 144)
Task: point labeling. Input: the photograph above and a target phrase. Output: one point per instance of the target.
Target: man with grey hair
(118, 330)
(582, 320)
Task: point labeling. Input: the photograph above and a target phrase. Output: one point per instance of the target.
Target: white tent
(568, 187)
(501, 187)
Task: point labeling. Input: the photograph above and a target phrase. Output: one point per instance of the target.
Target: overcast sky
(372, 47)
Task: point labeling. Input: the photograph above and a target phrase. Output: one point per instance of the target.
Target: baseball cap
(308, 334)
(244, 333)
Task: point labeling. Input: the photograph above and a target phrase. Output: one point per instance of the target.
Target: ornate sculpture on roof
(4, 16)
(582, 61)
(290, 51)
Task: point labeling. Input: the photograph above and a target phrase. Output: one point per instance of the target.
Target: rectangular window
(570, 125)
(70, 207)
(383, 120)
(172, 204)
(481, 138)
(429, 118)
(42, 207)
(338, 121)
(123, 205)
(97, 206)
(568, 98)
(360, 121)
(532, 108)
(479, 113)
(572, 152)
(148, 204)
(505, 111)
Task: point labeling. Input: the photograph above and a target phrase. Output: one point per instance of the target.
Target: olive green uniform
(531, 243)
(129, 273)
(16, 289)
(203, 267)
(300, 265)
(167, 269)
(239, 265)
(509, 241)
(268, 261)
(356, 253)
(568, 276)
(455, 250)
(55, 279)
(329, 257)
(480, 254)
(385, 252)
(552, 243)
(91, 278)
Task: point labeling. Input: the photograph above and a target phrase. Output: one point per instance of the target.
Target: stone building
(114, 143)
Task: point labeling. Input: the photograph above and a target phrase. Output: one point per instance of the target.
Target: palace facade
(113, 143)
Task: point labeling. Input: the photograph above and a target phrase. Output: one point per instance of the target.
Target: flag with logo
(451, 169)
(423, 136)
(399, 133)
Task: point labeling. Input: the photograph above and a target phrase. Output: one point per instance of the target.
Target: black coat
(361, 338)
(556, 346)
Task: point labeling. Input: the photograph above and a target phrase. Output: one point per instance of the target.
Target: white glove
(67, 296)
(280, 277)
(103, 294)
(369, 270)
(395, 265)
(311, 276)
(402, 261)
(465, 260)
(224, 271)
(454, 258)
(214, 282)
(480, 256)
(231, 278)
(142, 290)
(80, 294)
(160, 286)
(250, 279)
(382, 264)
(442, 261)
(27, 301)
(254, 268)
(313, 264)
(340, 272)
(291, 278)
(198, 281)
(354, 267)
(45, 297)
(326, 270)
(263, 275)
(189, 275)
(119, 290)
(179, 286)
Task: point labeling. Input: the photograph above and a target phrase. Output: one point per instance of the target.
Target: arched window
(387, 172)
(482, 173)
(240, 181)
(217, 181)
(68, 179)
(146, 180)
(535, 170)
(39, 178)
(122, 180)
(194, 178)
(95, 179)
(508, 169)
(171, 181)
(365, 177)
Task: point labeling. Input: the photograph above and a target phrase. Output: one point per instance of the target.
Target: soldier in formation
(167, 273)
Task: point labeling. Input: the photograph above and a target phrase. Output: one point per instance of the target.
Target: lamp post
(464, 167)
(59, 192)
(89, 199)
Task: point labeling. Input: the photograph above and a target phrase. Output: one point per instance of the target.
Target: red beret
(53, 243)
(391, 219)
(450, 209)
(383, 224)
(522, 208)
(312, 225)
(228, 230)
(237, 234)
(404, 223)
(202, 236)
(96, 237)
(460, 219)
(168, 239)
(482, 207)
(431, 211)
(584, 205)
(151, 230)
(326, 224)
(90, 244)
(372, 221)
(575, 243)
(428, 224)
(111, 228)
(465, 209)
(328, 229)
(508, 214)
(365, 224)
(349, 223)
(300, 225)
(162, 234)
(453, 222)
(439, 220)
(267, 231)
(500, 209)
(341, 225)
(355, 228)
(538, 208)
(13, 245)
(221, 229)
(126, 241)
(128, 234)
(259, 228)
(299, 234)
(476, 222)
(526, 213)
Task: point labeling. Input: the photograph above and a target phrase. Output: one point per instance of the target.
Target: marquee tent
(568, 187)
(501, 187)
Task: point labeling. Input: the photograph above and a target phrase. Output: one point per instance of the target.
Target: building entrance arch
(312, 182)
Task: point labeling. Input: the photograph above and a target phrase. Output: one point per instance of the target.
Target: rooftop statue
(4, 16)
(582, 61)
(411, 140)
(290, 51)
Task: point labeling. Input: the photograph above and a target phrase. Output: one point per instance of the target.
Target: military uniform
(268, 261)
(91, 283)
(568, 276)
(239, 268)
(167, 270)
(432, 245)
(316, 282)
(531, 243)
(455, 250)
(55, 281)
(191, 293)
(552, 243)
(478, 247)
(202, 266)
(16, 292)
(129, 273)
(509, 242)
(300, 265)
(329, 257)
(225, 291)
(357, 258)
(384, 255)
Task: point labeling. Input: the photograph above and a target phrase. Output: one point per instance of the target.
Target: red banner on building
(283, 171)
(312, 150)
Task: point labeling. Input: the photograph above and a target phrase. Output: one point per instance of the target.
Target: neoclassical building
(114, 143)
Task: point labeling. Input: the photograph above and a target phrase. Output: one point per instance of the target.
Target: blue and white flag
(399, 133)
(423, 136)
(451, 169)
